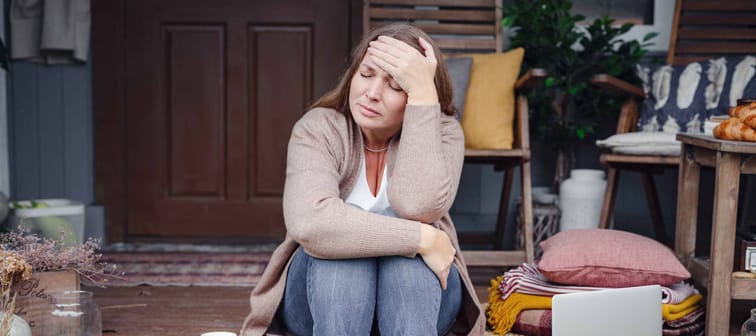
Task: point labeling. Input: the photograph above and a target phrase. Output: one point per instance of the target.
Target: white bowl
(545, 198)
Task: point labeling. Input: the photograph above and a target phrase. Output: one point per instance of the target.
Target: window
(647, 15)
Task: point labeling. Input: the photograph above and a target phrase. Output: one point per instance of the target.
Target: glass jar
(749, 327)
(72, 313)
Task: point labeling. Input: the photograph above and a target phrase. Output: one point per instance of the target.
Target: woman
(372, 171)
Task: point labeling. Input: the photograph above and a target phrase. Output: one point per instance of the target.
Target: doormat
(159, 268)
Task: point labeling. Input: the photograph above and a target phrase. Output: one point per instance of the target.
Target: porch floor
(190, 311)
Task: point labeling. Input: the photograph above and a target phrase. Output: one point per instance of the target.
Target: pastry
(734, 129)
(746, 113)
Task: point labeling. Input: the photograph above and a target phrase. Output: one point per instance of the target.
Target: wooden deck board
(168, 311)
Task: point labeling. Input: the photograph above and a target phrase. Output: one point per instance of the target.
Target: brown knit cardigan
(323, 163)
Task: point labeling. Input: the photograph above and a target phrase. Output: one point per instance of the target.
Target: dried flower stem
(46, 254)
(13, 268)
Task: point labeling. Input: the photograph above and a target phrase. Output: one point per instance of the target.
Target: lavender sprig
(46, 254)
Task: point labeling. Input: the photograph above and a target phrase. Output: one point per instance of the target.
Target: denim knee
(410, 298)
(339, 296)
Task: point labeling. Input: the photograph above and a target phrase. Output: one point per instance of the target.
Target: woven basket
(545, 225)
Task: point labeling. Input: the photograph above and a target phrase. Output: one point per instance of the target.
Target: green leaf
(573, 90)
(549, 82)
(508, 21)
(580, 133)
(650, 36)
(34, 204)
(626, 27)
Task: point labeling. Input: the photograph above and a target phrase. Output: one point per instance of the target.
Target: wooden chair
(472, 26)
(701, 30)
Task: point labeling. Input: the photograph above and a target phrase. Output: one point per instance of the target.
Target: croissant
(746, 113)
(734, 129)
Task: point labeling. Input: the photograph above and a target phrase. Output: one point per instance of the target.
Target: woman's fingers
(392, 57)
(445, 277)
(430, 55)
(412, 69)
(385, 57)
(437, 252)
(379, 59)
(394, 46)
(441, 269)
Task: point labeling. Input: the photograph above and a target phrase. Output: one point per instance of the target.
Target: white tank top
(362, 198)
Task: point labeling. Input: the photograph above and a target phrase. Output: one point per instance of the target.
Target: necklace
(376, 150)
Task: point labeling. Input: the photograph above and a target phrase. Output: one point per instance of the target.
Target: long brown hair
(338, 98)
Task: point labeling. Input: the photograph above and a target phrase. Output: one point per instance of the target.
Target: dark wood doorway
(194, 103)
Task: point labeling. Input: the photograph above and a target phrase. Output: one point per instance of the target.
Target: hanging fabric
(50, 31)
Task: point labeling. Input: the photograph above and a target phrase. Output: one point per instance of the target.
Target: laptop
(630, 311)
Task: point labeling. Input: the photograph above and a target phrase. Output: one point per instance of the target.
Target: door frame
(109, 108)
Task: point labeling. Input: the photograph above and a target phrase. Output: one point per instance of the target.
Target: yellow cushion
(490, 102)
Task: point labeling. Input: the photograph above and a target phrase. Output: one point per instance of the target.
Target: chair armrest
(617, 85)
(530, 79)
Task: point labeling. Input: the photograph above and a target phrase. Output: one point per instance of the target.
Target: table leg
(687, 206)
(726, 185)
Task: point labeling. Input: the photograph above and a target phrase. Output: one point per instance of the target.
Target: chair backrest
(456, 25)
(704, 29)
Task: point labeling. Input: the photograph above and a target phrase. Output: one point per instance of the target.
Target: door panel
(271, 129)
(212, 90)
(196, 113)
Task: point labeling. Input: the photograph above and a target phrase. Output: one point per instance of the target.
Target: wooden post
(726, 185)
(687, 205)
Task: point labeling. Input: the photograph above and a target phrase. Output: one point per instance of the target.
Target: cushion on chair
(459, 71)
(488, 121)
(642, 143)
(666, 150)
(608, 258)
(680, 98)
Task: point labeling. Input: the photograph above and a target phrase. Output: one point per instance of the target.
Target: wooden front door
(211, 92)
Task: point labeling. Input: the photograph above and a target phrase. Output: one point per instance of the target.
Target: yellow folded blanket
(671, 312)
(502, 314)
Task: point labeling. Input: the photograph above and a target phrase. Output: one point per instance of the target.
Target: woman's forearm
(428, 165)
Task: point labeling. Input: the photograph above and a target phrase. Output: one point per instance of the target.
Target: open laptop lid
(628, 311)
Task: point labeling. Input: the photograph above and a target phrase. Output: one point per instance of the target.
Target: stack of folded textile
(520, 299)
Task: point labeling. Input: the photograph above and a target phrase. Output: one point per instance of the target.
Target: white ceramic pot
(580, 199)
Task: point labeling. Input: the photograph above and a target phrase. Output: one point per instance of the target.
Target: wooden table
(730, 159)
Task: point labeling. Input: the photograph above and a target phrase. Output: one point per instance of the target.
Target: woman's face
(376, 101)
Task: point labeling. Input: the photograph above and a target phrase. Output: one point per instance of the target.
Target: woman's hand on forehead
(412, 70)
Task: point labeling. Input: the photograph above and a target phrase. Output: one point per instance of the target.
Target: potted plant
(567, 110)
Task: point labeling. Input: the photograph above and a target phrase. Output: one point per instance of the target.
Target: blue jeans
(400, 296)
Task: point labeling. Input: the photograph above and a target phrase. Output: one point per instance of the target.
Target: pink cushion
(608, 258)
